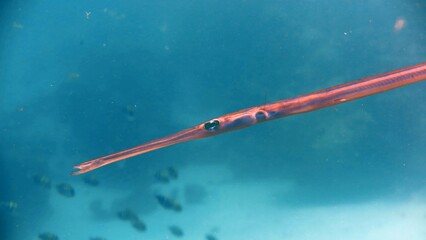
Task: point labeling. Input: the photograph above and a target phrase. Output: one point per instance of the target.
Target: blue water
(81, 79)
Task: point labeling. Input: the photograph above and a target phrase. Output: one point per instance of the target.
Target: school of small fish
(167, 202)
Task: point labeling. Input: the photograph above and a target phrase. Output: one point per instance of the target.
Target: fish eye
(212, 125)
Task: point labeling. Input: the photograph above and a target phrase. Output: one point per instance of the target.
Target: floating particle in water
(139, 225)
(399, 24)
(176, 231)
(90, 180)
(127, 215)
(42, 180)
(48, 236)
(168, 203)
(66, 190)
(166, 175)
(210, 237)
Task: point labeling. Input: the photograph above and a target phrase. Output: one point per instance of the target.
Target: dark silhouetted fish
(65, 189)
(97, 238)
(176, 231)
(168, 203)
(90, 180)
(127, 215)
(172, 173)
(139, 225)
(210, 237)
(130, 111)
(166, 175)
(47, 236)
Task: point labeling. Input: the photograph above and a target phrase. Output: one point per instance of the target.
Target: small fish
(210, 237)
(172, 173)
(130, 111)
(128, 215)
(48, 236)
(17, 25)
(73, 76)
(166, 175)
(168, 203)
(97, 238)
(10, 205)
(90, 180)
(42, 180)
(176, 231)
(66, 190)
(139, 225)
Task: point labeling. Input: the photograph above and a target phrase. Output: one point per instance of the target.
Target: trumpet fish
(247, 117)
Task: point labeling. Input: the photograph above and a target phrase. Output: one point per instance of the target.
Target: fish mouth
(196, 132)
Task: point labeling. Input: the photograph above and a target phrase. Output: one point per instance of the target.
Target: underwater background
(82, 79)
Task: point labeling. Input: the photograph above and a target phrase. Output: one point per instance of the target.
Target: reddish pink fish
(283, 108)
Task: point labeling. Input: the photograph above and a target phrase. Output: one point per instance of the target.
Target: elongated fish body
(244, 118)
